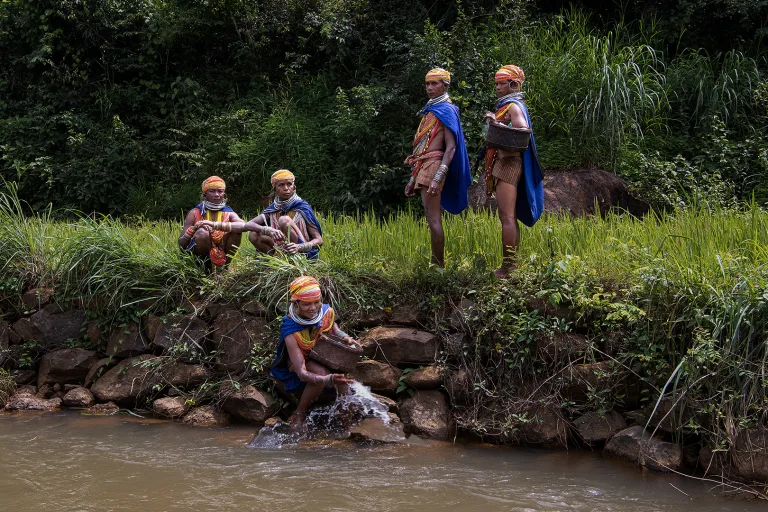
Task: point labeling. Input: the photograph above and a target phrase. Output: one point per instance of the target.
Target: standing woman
(515, 178)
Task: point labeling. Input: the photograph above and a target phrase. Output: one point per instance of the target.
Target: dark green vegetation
(679, 301)
(124, 106)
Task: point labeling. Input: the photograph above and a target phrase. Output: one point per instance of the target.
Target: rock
(715, 462)
(250, 405)
(546, 308)
(21, 377)
(107, 409)
(44, 391)
(78, 397)
(377, 375)
(126, 341)
(459, 386)
(36, 298)
(398, 345)
(93, 332)
(461, 314)
(390, 404)
(97, 369)
(455, 344)
(580, 378)
(151, 324)
(206, 416)
(376, 431)
(427, 413)
(635, 418)
(576, 192)
(373, 318)
(183, 335)
(670, 414)
(545, 428)
(66, 366)
(26, 390)
(631, 444)
(254, 308)
(272, 422)
(407, 314)
(128, 381)
(51, 327)
(234, 335)
(595, 430)
(26, 402)
(750, 455)
(4, 342)
(170, 407)
(559, 346)
(185, 376)
(428, 377)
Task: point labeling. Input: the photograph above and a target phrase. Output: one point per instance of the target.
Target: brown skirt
(427, 172)
(508, 169)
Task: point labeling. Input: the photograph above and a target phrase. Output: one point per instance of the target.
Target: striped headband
(213, 182)
(438, 74)
(509, 73)
(282, 174)
(305, 289)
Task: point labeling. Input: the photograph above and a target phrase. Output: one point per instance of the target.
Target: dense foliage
(123, 106)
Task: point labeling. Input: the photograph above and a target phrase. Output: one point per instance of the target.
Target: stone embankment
(197, 369)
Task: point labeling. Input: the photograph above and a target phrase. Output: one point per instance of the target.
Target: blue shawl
(454, 198)
(309, 215)
(279, 368)
(530, 189)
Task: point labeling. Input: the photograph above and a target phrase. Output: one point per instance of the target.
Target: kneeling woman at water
(307, 318)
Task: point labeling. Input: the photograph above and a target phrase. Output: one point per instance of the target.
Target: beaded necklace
(434, 101)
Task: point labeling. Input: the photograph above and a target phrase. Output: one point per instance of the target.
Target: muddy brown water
(69, 462)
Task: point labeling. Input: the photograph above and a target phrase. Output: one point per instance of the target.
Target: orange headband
(213, 182)
(305, 289)
(282, 174)
(509, 73)
(438, 74)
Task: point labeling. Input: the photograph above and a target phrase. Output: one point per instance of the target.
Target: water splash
(326, 422)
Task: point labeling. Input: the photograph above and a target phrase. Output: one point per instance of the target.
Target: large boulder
(378, 376)
(98, 369)
(633, 445)
(545, 428)
(151, 324)
(576, 192)
(750, 455)
(206, 416)
(27, 402)
(398, 345)
(170, 406)
(128, 381)
(428, 377)
(51, 327)
(556, 346)
(427, 413)
(407, 314)
(580, 379)
(36, 298)
(250, 405)
(126, 341)
(234, 335)
(376, 430)
(668, 414)
(78, 397)
(185, 376)
(594, 430)
(66, 366)
(182, 334)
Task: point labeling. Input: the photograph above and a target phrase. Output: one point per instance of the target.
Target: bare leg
(202, 242)
(231, 244)
(434, 212)
(309, 395)
(262, 243)
(286, 225)
(506, 197)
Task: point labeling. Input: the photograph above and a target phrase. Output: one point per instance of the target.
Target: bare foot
(503, 271)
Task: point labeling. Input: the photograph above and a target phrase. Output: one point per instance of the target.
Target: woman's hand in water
(340, 378)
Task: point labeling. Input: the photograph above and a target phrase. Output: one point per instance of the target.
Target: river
(68, 462)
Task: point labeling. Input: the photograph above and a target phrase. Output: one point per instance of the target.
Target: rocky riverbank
(197, 367)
